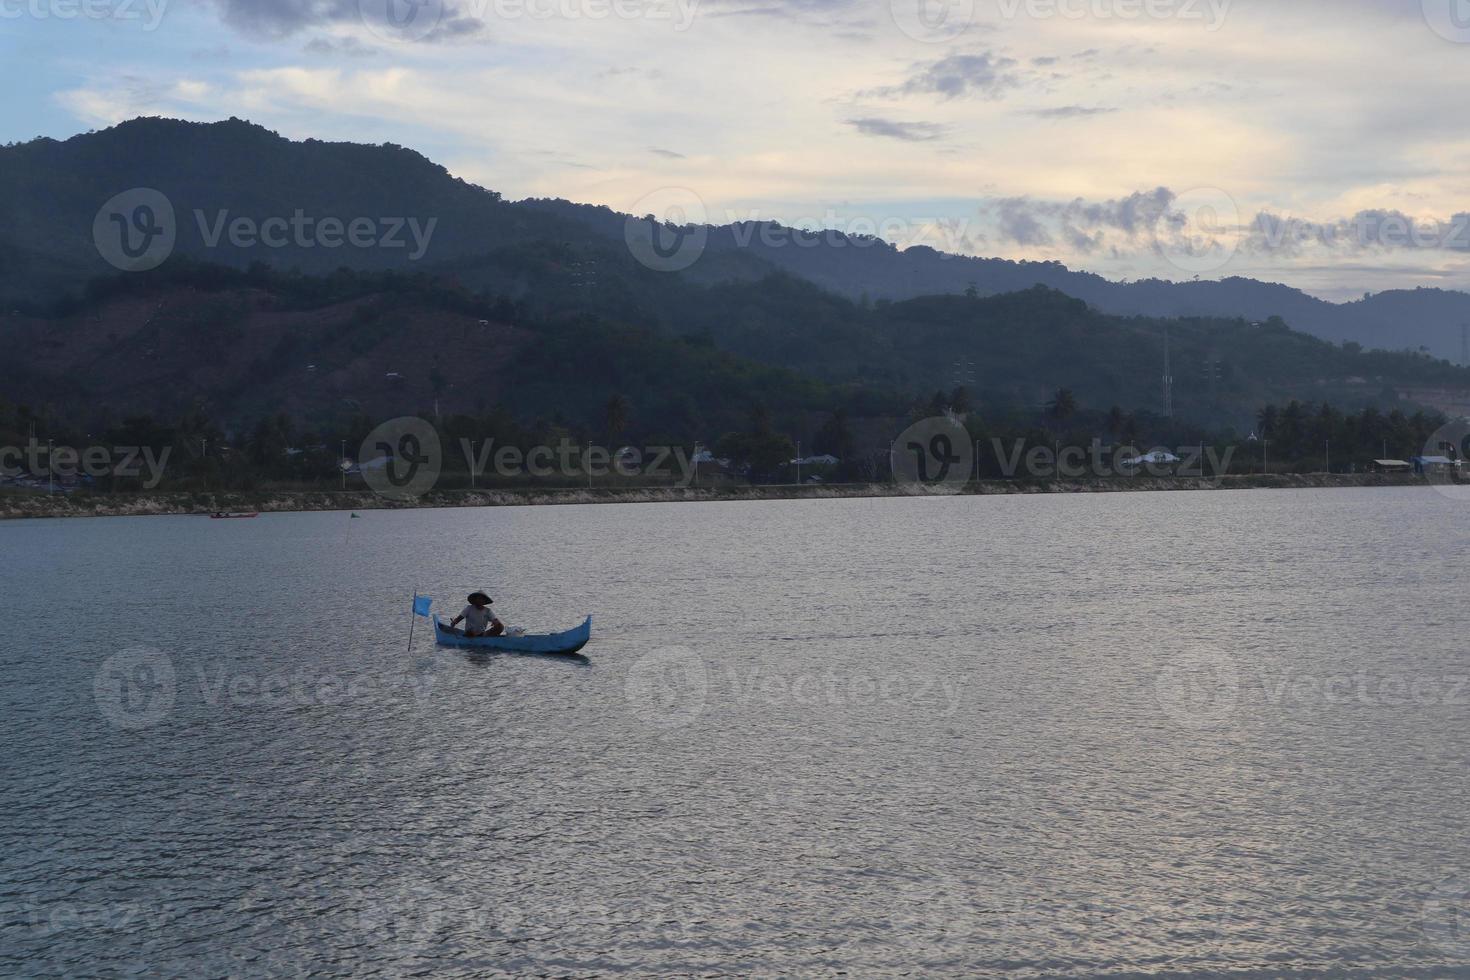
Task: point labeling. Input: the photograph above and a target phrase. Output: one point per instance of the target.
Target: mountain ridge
(217, 172)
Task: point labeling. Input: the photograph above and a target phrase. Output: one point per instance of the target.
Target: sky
(1320, 143)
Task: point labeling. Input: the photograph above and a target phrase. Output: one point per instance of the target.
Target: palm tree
(616, 416)
(1266, 420)
(1063, 405)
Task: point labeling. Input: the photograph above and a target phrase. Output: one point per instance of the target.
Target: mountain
(419, 216)
(857, 267)
(852, 314)
(238, 347)
(233, 346)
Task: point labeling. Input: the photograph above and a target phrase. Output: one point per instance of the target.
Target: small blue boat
(566, 642)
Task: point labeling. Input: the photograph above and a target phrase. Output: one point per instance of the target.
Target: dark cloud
(985, 75)
(1070, 112)
(272, 20)
(666, 154)
(1044, 62)
(911, 132)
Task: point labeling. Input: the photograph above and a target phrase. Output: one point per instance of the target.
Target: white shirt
(476, 620)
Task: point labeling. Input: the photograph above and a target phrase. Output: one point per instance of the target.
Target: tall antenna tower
(1168, 381)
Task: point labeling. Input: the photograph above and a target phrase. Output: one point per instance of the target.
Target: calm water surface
(1057, 736)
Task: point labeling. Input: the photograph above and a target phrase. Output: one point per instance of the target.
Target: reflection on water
(1192, 733)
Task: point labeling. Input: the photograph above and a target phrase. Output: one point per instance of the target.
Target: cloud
(843, 17)
(912, 132)
(1375, 230)
(666, 154)
(1017, 222)
(1133, 215)
(344, 46)
(1143, 218)
(985, 75)
(1070, 112)
(273, 20)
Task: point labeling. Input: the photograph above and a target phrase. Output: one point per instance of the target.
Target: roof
(1435, 460)
(1391, 462)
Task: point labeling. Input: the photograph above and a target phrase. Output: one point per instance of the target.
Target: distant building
(1390, 466)
(1435, 464)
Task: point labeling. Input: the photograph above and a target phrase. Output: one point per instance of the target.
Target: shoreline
(183, 503)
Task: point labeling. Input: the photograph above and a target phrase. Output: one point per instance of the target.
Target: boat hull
(566, 642)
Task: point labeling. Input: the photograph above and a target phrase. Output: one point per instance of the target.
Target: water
(1060, 735)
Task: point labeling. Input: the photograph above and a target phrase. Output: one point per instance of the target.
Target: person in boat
(479, 619)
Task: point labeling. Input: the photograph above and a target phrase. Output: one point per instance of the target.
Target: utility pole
(1168, 381)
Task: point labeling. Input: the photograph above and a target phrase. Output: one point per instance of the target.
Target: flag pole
(412, 615)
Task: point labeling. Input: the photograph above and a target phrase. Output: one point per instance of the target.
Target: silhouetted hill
(559, 257)
(858, 267)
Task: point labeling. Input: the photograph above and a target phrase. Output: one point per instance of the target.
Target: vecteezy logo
(1198, 690)
(667, 688)
(932, 21)
(1199, 232)
(1450, 19)
(401, 20)
(402, 458)
(135, 231)
(667, 229)
(135, 687)
(1442, 460)
(934, 455)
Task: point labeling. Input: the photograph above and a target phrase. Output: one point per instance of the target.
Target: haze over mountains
(216, 173)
